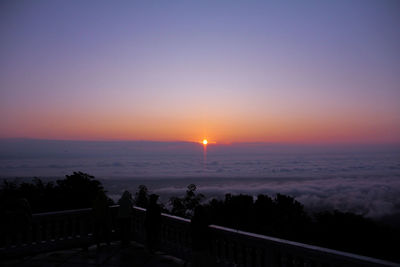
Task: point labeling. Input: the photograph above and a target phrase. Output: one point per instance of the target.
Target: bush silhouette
(78, 190)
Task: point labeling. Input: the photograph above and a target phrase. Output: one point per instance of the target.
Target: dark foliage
(282, 216)
(351, 232)
(78, 190)
(185, 206)
(142, 197)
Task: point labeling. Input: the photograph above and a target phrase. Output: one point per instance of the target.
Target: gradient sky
(230, 71)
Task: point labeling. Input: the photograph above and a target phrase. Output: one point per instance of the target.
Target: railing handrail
(64, 212)
(184, 220)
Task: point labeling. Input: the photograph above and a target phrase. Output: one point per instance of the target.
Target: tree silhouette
(185, 206)
(78, 190)
(142, 197)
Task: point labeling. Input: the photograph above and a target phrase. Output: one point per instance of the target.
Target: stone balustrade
(50, 231)
(238, 248)
(228, 247)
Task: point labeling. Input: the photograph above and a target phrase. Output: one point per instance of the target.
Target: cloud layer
(365, 180)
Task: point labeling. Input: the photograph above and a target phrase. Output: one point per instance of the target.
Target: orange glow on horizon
(224, 130)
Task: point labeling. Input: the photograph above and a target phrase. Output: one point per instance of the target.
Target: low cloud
(363, 179)
(370, 196)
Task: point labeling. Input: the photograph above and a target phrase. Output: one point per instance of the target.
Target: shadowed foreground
(113, 255)
(57, 231)
(25, 234)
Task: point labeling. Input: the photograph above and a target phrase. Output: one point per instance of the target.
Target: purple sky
(229, 71)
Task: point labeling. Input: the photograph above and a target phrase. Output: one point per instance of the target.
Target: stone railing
(174, 237)
(50, 231)
(228, 247)
(237, 248)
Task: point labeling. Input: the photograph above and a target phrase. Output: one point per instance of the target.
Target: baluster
(178, 238)
(258, 254)
(6, 237)
(185, 239)
(80, 227)
(308, 263)
(286, 260)
(44, 231)
(168, 236)
(188, 242)
(214, 248)
(165, 234)
(231, 252)
(23, 233)
(139, 225)
(64, 229)
(49, 232)
(18, 237)
(69, 228)
(162, 234)
(183, 242)
(53, 230)
(74, 227)
(241, 255)
(271, 256)
(174, 237)
(224, 250)
(37, 233)
(249, 256)
(87, 226)
(29, 234)
(58, 229)
(218, 249)
(298, 261)
(283, 260)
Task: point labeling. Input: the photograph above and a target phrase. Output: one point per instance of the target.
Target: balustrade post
(81, 227)
(58, 230)
(258, 254)
(52, 230)
(308, 263)
(240, 255)
(45, 232)
(63, 229)
(232, 252)
(37, 233)
(249, 256)
(29, 234)
(215, 249)
(286, 260)
(224, 250)
(297, 261)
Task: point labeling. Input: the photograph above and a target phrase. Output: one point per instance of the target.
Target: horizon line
(200, 141)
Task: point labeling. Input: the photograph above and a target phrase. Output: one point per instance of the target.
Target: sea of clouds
(361, 179)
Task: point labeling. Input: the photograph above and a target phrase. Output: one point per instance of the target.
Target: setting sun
(205, 142)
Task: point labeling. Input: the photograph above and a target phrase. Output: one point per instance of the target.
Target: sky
(228, 71)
